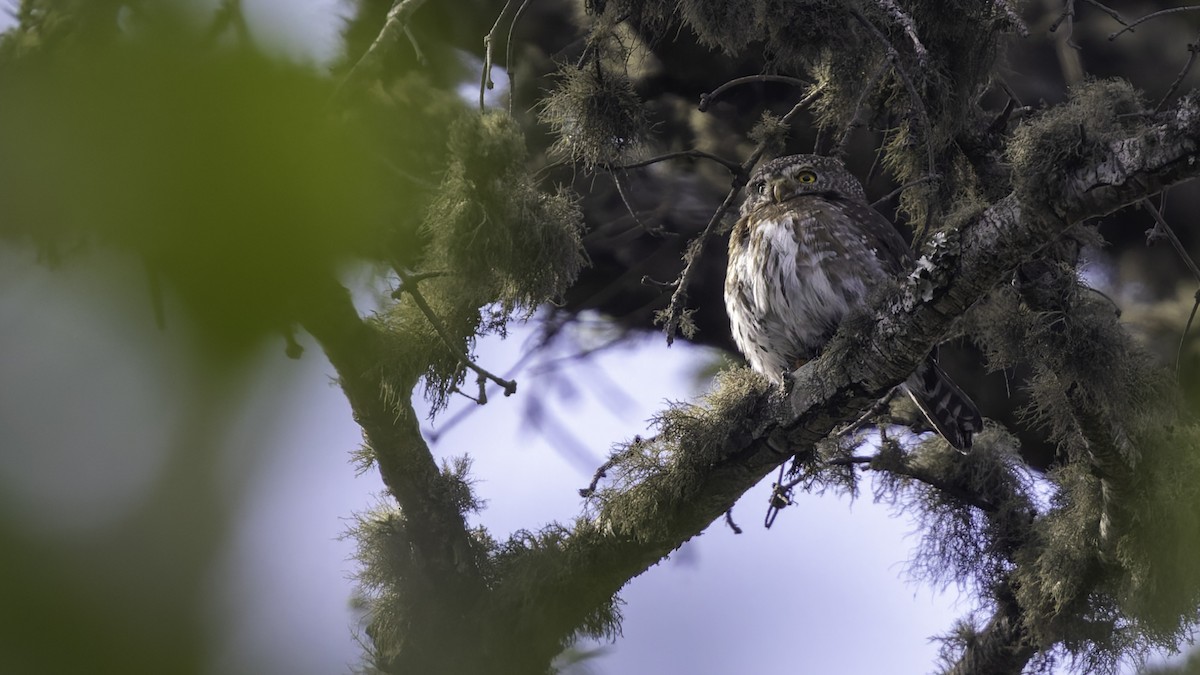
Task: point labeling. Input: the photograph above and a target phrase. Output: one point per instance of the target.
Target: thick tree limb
(433, 521)
(858, 366)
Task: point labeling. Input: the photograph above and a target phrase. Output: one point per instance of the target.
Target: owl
(805, 254)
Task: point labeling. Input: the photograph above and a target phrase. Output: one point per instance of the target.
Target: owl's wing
(886, 241)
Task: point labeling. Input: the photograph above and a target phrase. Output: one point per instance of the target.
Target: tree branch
(433, 522)
(394, 27)
(856, 368)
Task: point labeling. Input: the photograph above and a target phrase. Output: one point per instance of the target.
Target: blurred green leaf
(227, 170)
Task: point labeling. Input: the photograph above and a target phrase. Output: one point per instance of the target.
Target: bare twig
(414, 278)
(870, 415)
(910, 28)
(850, 461)
(1193, 48)
(602, 472)
(394, 26)
(917, 104)
(859, 108)
(1166, 229)
(673, 315)
(508, 63)
(409, 286)
(876, 164)
(733, 166)
(1000, 81)
(416, 47)
(707, 99)
(1107, 10)
(1152, 15)
(1001, 120)
(1068, 15)
(675, 310)
(886, 198)
(485, 79)
(729, 521)
(629, 207)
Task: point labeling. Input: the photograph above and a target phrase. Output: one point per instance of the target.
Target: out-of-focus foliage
(224, 169)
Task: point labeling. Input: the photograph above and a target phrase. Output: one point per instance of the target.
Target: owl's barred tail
(947, 407)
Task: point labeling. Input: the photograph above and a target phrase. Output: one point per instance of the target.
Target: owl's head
(796, 175)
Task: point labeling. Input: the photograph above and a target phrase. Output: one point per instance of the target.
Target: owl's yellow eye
(806, 177)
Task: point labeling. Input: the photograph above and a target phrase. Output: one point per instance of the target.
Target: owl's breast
(791, 281)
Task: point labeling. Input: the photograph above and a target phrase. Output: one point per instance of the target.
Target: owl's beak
(781, 188)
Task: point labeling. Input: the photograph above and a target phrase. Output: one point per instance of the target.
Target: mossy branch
(637, 526)
(435, 522)
(409, 285)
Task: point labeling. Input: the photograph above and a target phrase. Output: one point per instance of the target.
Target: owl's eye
(806, 177)
(759, 186)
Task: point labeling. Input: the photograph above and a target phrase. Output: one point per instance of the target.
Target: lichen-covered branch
(433, 523)
(744, 433)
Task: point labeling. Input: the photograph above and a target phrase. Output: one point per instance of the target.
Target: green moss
(595, 114)
(661, 462)
(1061, 139)
(503, 245)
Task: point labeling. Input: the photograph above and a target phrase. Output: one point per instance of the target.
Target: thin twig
(910, 28)
(1068, 15)
(1152, 15)
(1162, 224)
(629, 207)
(416, 278)
(859, 108)
(416, 47)
(409, 286)
(674, 312)
(917, 104)
(1164, 228)
(866, 418)
(707, 99)
(1001, 120)
(850, 461)
(733, 166)
(602, 472)
(1008, 90)
(393, 27)
(485, 79)
(886, 198)
(508, 64)
(1193, 48)
(729, 521)
(875, 164)
(1107, 10)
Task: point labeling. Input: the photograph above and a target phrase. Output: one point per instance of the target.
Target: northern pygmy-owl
(805, 254)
